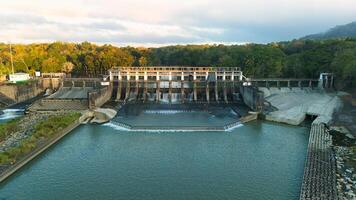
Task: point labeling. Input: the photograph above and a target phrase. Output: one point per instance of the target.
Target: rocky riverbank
(344, 141)
(29, 133)
(346, 177)
(24, 130)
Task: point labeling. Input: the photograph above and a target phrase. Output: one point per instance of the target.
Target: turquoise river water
(258, 160)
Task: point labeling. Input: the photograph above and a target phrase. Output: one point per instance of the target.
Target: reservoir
(258, 160)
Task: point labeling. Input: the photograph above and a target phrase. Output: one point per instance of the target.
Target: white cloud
(160, 22)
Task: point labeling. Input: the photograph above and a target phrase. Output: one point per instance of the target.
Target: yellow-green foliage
(8, 128)
(42, 131)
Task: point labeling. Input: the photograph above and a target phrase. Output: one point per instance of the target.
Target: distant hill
(341, 31)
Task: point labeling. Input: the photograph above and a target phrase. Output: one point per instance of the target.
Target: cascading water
(190, 96)
(151, 96)
(8, 114)
(165, 98)
(176, 97)
(132, 96)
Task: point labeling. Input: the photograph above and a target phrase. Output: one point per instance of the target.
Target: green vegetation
(43, 131)
(8, 128)
(294, 59)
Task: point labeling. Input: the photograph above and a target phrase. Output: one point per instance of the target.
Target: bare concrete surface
(71, 93)
(293, 104)
(98, 115)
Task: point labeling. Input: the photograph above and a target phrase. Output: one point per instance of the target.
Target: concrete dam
(168, 85)
(178, 84)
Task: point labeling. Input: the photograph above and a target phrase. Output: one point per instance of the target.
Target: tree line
(292, 59)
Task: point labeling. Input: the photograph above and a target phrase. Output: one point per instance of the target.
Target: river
(258, 160)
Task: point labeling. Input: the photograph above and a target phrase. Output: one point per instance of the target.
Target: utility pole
(12, 64)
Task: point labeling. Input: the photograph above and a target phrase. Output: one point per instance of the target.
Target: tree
(142, 61)
(67, 67)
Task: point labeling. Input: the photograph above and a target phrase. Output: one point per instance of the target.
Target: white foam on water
(11, 110)
(167, 112)
(173, 130)
(234, 127)
(121, 128)
(115, 126)
(11, 113)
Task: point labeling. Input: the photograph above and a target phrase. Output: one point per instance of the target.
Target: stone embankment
(319, 181)
(25, 130)
(25, 127)
(293, 104)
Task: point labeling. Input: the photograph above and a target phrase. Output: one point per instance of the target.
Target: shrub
(8, 128)
(42, 130)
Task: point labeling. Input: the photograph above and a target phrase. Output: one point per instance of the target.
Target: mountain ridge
(339, 31)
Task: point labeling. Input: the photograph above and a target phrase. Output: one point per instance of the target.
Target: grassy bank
(8, 128)
(42, 131)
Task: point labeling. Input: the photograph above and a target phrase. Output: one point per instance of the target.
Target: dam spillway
(176, 84)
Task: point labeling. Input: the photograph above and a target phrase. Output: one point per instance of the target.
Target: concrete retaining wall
(52, 83)
(252, 97)
(98, 98)
(20, 93)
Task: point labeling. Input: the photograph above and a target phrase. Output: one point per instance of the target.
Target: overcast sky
(164, 22)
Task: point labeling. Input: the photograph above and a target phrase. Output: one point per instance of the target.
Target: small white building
(37, 73)
(18, 77)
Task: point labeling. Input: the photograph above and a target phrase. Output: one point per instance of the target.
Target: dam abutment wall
(252, 97)
(99, 97)
(16, 93)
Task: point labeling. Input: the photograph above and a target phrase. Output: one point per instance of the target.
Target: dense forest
(298, 58)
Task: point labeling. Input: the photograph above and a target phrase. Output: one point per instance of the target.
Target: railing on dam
(282, 82)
